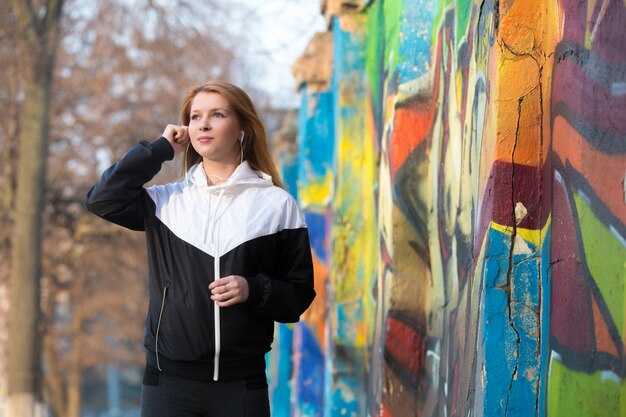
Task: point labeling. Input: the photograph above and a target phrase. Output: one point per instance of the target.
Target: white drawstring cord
(156, 342)
(217, 275)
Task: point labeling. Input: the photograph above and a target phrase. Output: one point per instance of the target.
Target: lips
(205, 139)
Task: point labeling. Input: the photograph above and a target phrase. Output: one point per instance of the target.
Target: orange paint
(413, 123)
(604, 342)
(573, 149)
(519, 56)
(315, 316)
(413, 126)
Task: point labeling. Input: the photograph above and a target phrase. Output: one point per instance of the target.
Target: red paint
(413, 122)
(508, 185)
(571, 319)
(588, 99)
(406, 345)
(386, 410)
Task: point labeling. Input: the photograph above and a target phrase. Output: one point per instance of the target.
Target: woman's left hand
(229, 290)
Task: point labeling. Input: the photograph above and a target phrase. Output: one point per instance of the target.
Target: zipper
(159, 328)
(216, 275)
(216, 315)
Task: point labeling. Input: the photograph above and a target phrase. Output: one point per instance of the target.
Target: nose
(204, 125)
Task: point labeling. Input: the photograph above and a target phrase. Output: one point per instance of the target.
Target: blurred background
(121, 68)
(461, 165)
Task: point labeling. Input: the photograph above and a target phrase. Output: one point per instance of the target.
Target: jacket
(196, 233)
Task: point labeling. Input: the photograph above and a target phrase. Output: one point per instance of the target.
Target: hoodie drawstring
(216, 275)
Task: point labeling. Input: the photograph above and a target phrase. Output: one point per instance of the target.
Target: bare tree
(38, 25)
(119, 76)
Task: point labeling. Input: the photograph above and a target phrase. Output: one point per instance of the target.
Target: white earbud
(241, 137)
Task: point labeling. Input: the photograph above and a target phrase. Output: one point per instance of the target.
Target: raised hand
(177, 135)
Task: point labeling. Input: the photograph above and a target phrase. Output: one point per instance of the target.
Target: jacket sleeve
(119, 196)
(287, 295)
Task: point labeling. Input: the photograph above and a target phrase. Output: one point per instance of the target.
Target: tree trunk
(75, 371)
(54, 381)
(37, 44)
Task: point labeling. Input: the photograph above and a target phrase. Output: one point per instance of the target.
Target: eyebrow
(211, 110)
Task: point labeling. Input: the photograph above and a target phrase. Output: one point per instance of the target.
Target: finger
(226, 299)
(220, 282)
(178, 134)
(168, 132)
(217, 283)
(220, 286)
(229, 302)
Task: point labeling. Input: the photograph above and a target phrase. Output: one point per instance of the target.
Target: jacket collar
(243, 174)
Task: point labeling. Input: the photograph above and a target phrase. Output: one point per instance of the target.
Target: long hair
(255, 149)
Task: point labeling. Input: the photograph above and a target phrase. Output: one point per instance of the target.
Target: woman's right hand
(177, 136)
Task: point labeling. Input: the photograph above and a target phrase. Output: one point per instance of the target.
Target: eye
(194, 117)
(217, 115)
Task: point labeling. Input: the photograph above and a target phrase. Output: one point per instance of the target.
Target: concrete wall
(462, 166)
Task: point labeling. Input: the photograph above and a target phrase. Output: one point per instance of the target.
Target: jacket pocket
(158, 329)
(184, 329)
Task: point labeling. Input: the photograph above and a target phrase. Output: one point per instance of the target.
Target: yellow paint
(591, 30)
(534, 236)
(316, 193)
(354, 231)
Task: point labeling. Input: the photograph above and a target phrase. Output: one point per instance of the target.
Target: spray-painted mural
(463, 173)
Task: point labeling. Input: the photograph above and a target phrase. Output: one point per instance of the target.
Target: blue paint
(310, 381)
(279, 364)
(416, 27)
(348, 76)
(348, 365)
(511, 344)
(545, 260)
(289, 173)
(316, 136)
(318, 226)
(525, 304)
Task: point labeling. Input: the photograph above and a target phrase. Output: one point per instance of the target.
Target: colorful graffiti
(463, 175)
(588, 255)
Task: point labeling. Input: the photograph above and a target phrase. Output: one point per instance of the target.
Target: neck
(218, 172)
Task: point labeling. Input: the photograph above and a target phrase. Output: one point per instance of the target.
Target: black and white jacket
(195, 233)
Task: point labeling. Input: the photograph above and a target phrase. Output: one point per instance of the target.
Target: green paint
(572, 393)
(605, 257)
(462, 15)
(375, 25)
(393, 23)
(442, 7)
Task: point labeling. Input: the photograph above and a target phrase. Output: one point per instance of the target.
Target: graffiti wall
(462, 168)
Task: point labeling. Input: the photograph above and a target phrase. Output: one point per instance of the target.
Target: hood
(243, 174)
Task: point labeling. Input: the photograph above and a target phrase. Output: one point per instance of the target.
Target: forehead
(205, 101)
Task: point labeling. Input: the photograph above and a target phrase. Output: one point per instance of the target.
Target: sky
(277, 32)
(274, 32)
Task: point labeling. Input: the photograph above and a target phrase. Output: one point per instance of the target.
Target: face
(214, 128)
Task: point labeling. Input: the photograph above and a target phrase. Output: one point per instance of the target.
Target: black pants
(164, 395)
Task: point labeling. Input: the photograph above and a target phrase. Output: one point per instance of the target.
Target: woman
(228, 254)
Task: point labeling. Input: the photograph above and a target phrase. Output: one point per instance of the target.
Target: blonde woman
(228, 255)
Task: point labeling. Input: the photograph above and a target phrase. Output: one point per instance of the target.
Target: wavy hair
(255, 148)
